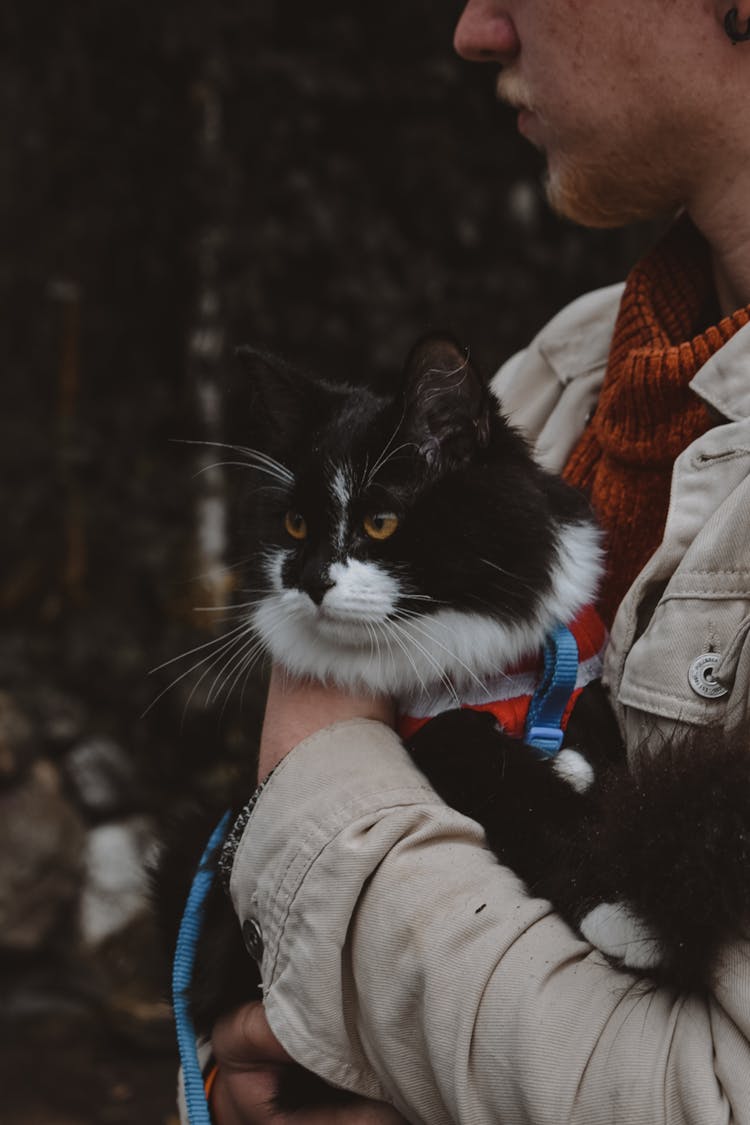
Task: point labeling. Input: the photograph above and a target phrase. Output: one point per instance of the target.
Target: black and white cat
(408, 544)
(411, 540)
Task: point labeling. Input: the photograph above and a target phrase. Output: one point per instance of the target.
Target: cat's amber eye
(382, 525)
(295, 525)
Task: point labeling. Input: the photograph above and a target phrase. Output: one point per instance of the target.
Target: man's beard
(612, 193)
(608, 190)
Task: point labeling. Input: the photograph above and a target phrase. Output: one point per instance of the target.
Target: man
(639, 110)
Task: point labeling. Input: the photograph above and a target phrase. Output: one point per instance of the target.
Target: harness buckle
(546, 739)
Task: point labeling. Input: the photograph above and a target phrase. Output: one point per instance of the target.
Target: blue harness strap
(182, 976)
(544, 720)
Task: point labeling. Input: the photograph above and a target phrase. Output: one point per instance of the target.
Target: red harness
(510, 693)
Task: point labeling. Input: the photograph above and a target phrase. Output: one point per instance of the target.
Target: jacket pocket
(692, 662)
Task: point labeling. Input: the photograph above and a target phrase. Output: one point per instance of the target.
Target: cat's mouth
(345, 626)
(338, 616)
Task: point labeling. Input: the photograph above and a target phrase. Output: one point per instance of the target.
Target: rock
(135, 971)
(17, 742)
(102, 776)
(62, 717)
(41, 850)
(116, 881)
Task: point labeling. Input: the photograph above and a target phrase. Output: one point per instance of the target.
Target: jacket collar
(577, 340)
(724, 381)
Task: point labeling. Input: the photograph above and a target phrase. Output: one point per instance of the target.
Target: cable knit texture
(647, 413)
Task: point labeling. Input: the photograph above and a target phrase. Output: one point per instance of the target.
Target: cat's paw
(614, 929)
(571, 766)
(461, 754)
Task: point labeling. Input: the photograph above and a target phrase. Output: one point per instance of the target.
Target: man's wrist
(295, 709)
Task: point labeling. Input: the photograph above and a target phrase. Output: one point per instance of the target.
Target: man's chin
(596, 198)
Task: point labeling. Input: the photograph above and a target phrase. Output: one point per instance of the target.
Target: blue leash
(543, 728)
(182, 976)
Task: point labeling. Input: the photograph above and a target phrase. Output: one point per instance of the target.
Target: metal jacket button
(701, 676)
(253, 938)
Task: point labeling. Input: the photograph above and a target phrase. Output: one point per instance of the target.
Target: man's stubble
(600, 184)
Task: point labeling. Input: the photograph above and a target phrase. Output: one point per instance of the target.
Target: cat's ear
(285, 401)
(447, 405)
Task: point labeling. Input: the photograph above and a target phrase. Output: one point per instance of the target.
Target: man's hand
(298, 708)
(250, 1058)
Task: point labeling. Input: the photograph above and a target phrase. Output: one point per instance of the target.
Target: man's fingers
(245, 1097)
(250, 1059)
(243, 1037)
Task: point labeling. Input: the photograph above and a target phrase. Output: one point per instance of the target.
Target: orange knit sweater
(646, 413)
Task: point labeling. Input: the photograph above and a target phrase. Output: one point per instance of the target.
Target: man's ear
(735, 18)
(286, 403)
(447, 405)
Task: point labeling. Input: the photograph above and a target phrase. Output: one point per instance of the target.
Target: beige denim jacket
(399, 958)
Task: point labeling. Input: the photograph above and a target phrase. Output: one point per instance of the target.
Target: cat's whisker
(222, 675)
(229, 618)
(245, 666)
(242, 659)
(200, 680)
(224, 566)
(373, 639)
(198, 648)
(412, 621)
(248, 661)
(243, 465)
(247, 670)
(389, 635)
(385, 460)
(234, 605)
(214, 657)
(251, 658)
(238, 465)
(375, 645)
(442, 676)
(509, 574)
(227, 669)
(379, 458)
(280, 489)
(255, 459)
(363, 479)
(388, 638)
(238, 641)
(448, 387)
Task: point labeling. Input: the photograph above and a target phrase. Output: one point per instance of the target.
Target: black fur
(671, 839)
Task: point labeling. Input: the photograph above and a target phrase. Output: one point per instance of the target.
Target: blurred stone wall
(326, 182)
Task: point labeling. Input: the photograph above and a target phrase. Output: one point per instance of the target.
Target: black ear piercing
(732, 29)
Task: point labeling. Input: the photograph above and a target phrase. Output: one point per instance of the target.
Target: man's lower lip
(524, 120)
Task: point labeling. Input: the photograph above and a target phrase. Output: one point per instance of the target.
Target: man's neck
(732, 285)
(722, 214)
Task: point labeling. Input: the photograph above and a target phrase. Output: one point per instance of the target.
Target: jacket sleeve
(402, 961)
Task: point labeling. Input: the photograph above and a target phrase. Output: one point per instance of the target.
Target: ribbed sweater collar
(647, 412)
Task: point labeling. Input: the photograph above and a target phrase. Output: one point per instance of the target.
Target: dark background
(326, 181)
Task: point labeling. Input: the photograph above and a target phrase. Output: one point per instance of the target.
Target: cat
(407, 543)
